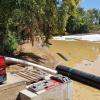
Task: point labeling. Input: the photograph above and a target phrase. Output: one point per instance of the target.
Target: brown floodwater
(74, 51)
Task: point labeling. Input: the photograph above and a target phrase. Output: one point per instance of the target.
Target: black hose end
(61, 69)
(80, 76)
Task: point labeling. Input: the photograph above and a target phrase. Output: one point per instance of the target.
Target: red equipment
(2, 69)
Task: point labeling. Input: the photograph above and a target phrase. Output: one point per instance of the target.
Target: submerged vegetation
(24, 19)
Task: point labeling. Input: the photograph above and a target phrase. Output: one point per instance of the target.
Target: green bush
(76, 25)
(10, 43)
(84, 28)
(94, 27)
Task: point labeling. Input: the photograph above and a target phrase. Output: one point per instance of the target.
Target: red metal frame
(2, 65)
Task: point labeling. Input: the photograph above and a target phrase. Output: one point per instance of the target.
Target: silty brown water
(74, 51)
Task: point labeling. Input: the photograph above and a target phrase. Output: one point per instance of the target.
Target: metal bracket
(60, 78)
(40, 85)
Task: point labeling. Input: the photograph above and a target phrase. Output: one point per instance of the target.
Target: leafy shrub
(10, 43)
(94, 27)
(76, 25)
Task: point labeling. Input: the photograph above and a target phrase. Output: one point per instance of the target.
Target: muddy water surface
(81, 55)
(74, 51)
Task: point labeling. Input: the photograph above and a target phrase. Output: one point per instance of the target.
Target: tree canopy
(21, 19)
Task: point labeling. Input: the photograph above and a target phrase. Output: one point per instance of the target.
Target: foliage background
(25, 19)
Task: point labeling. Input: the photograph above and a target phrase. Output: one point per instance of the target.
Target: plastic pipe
(83, 77)
(9, 59)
